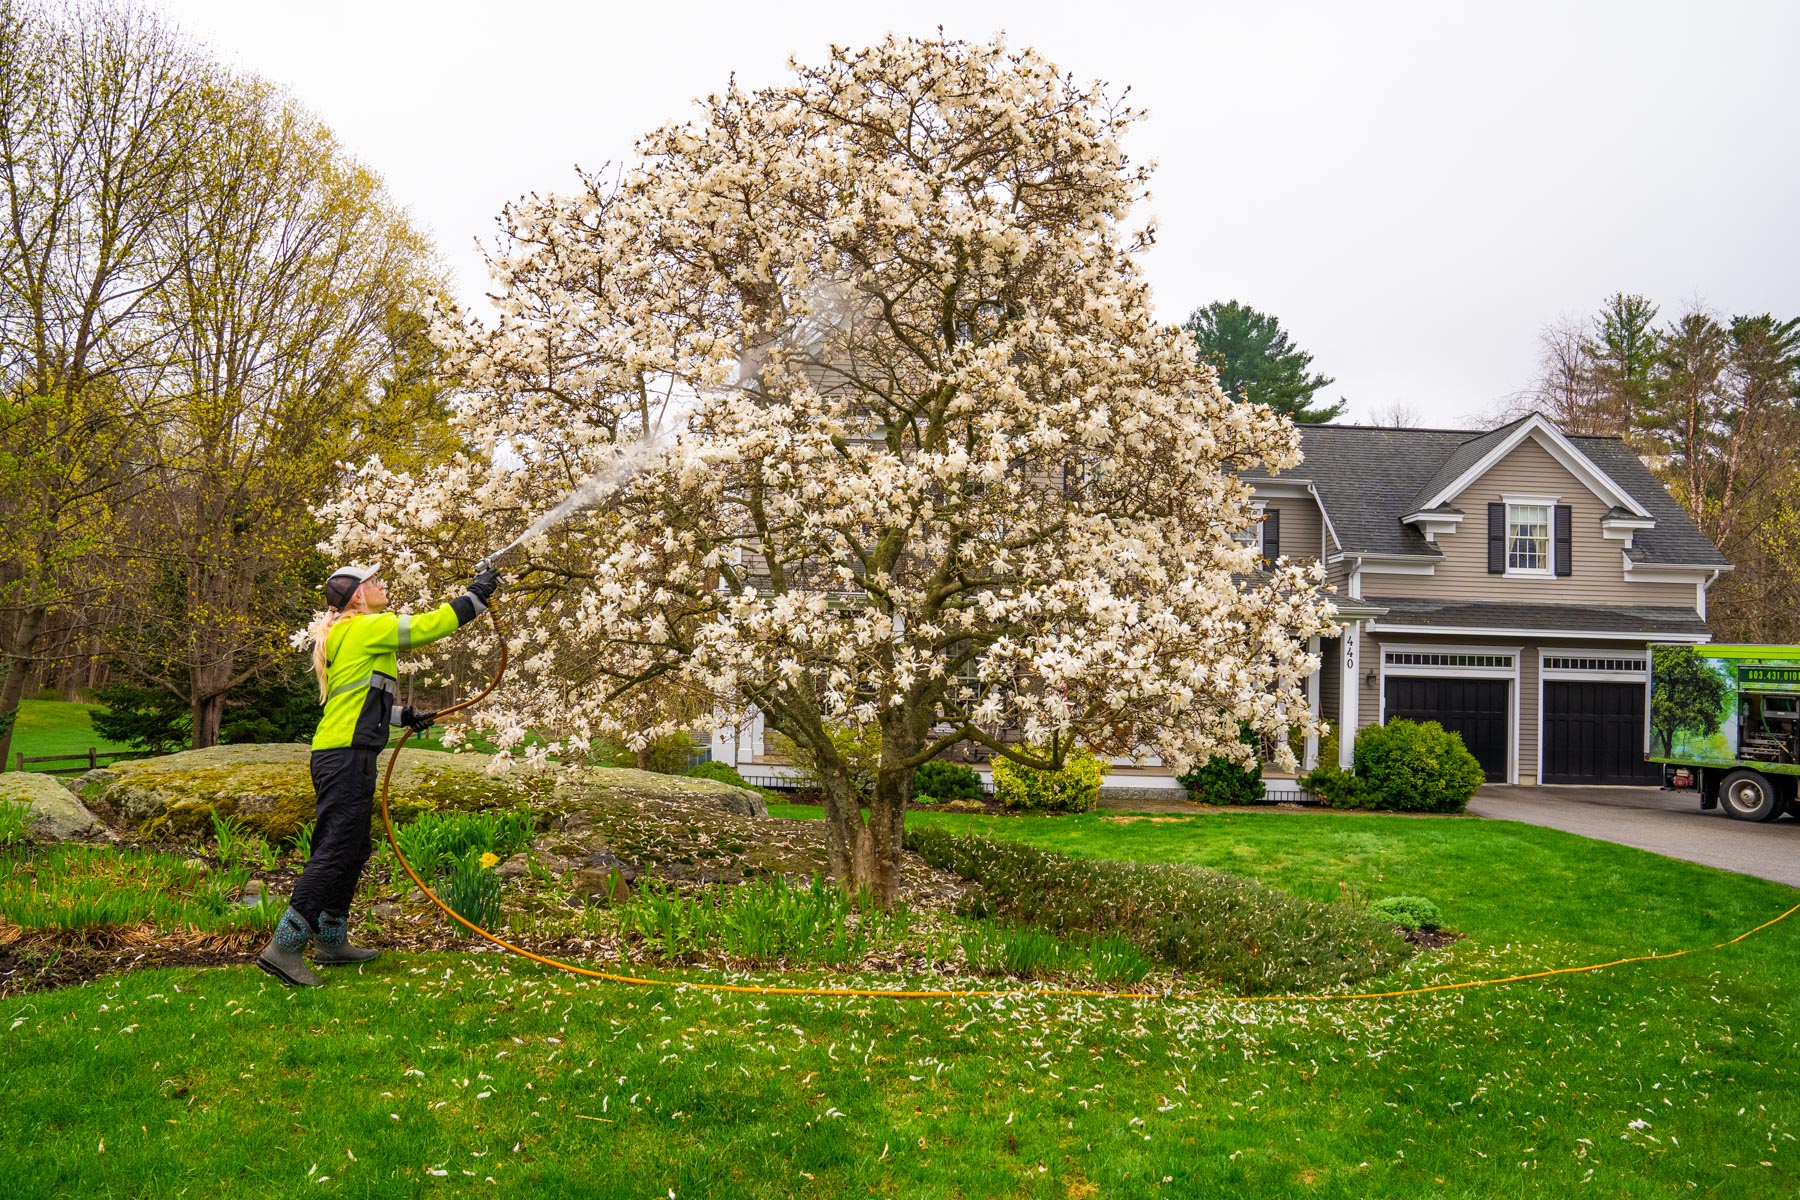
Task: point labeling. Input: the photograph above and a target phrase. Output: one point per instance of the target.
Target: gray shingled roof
(1368, 478)
(1461, 459)
(1459, 614)
(1676, 539)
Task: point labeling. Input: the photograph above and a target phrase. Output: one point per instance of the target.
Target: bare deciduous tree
(96, 119)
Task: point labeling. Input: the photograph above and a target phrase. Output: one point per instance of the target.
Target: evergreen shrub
(1403, 766)
(1074, 789)
(718, 772)
(1408, 912)
(1221, 781)
(1218, 780)
(938, 780)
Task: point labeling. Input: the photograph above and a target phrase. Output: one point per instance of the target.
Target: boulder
(599, 887)
(268, 788)
(85, 780)
(56, 814)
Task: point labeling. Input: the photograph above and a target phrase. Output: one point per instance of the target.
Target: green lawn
(55, 727)
(429, 1074)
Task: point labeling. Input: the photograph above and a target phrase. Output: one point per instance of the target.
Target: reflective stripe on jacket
(362, 672)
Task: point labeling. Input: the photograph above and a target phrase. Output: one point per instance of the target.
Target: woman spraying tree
(354, 646)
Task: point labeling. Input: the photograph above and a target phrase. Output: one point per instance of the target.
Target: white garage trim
(1596, 664)
(1457, 662)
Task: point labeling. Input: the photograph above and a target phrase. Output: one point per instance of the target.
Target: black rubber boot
(285, 955)
(333, 948)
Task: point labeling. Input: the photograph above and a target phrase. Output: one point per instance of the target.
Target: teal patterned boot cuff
(292, 933)
(333, 930)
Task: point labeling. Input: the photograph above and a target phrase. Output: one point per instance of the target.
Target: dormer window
(1528, 539)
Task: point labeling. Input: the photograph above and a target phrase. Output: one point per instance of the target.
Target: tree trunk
(206, 702)
(25, 628)
(887, 830)
(846, 837)
(865, 855)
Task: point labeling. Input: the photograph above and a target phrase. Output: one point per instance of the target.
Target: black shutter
(1271, 526)
(1565, 537)
(1496, 539)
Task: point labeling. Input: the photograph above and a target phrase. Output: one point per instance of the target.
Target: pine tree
(1622, 358)
(1257, 362)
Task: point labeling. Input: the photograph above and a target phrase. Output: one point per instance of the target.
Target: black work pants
(344, 781)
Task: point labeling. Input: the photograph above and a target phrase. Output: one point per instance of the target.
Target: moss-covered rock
(268, 789)
(56, 814)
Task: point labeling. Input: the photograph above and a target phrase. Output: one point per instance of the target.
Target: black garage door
(1478, 709)
(1594, 733)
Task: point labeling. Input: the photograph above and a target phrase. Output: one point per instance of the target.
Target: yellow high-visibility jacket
(362, 671)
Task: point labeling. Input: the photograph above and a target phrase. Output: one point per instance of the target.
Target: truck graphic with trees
(1725, 721)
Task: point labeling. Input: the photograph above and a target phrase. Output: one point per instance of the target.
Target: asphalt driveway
(1668, 823)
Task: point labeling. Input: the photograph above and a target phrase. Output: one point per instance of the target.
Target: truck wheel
(1748, 796)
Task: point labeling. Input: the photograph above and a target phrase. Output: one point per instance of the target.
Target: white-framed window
(1252, 535)
(1528, 540)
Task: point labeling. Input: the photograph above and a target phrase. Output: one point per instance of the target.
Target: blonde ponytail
(316, 633)
(320, 629)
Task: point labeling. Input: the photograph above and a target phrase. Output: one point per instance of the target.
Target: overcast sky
(1414, 190)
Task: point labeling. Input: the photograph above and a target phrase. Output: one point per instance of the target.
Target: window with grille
(1421, 658)
(1566, 663)
(1528, 538)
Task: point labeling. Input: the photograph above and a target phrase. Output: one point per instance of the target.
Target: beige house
(1506, 584)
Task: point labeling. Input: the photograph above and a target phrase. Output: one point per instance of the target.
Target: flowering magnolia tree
(934, 468)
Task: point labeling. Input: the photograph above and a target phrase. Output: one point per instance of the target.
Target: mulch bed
(39, 964)
(1433, 939)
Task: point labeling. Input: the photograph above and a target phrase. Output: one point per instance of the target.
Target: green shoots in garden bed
(236, 845)
(765, 921)
(473, 891)
(82, 889)
(438, 841)
(15, 822)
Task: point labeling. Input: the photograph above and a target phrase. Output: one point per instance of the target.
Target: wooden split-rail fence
(83, 762)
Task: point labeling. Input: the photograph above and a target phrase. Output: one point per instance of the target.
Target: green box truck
(1725, 721)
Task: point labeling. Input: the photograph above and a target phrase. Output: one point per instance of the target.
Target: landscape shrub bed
(1245, 936)
(1022, 952)
(15, 822)
(438, 841)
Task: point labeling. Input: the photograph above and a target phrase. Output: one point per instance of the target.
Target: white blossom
(937, 467)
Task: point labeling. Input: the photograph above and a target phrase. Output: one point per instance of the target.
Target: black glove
(483, 585)
(417, 719)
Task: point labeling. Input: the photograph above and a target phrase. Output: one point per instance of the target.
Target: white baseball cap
(343, 582)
